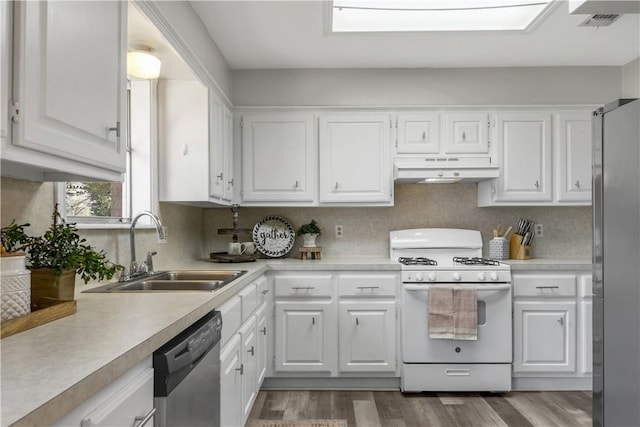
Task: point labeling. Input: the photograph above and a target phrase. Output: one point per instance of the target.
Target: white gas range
(452, 258)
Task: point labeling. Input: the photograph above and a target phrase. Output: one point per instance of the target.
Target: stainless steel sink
(174, 281)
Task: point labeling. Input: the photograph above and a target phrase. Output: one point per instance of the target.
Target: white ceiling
(259, 34)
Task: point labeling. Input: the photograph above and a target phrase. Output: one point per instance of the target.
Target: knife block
(517, 250)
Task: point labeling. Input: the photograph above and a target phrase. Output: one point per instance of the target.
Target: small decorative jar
(499, 248)
(15, 287)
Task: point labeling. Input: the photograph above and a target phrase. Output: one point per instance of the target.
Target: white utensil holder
(15, 287)
(499, 248)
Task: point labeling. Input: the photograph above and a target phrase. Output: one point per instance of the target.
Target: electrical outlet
(538, 230)
(339, 232)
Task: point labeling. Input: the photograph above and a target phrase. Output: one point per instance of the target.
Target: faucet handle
(124, 275)
(149, 261)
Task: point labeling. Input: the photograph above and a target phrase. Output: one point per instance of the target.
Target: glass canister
(15, 287)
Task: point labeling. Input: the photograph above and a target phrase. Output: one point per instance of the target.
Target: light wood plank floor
(395, 409)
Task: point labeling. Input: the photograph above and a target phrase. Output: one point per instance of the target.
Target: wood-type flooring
(395, 409)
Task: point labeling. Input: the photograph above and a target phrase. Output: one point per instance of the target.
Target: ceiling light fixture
(142, 64)
(435, 15)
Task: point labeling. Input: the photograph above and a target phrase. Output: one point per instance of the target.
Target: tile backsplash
(567, 230)
(192, 231)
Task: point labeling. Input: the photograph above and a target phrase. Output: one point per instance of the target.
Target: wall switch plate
(539, 232)
(339, 232)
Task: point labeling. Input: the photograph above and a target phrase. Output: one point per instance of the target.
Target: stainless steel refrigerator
(616, 263)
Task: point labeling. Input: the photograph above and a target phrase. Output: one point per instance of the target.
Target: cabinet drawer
(367, 285)
(304, 285)
(263, 290)
(544, 285)
(231, 311)
(249, 297)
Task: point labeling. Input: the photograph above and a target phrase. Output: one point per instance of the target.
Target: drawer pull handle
(368, 287)
(252, 351)
(266, 291)
(241, 369)
(547, 287)
(561, 321)
(457, 372)
(142, 421)
(264, 330)
(303, 288)
(357, 322)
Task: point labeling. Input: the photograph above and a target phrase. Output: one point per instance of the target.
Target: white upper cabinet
(524, 155)
(69, 91)
(355, 158)
(573, 156)
(279, 158)
(467, 133)
(418, 133)
(6, 11)
(220, 150)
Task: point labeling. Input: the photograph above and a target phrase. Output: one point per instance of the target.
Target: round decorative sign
(274, 236)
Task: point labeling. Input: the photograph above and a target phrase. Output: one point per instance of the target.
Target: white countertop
(49, 370)
(579, 264)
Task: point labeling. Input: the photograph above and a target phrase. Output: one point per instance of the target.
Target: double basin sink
(179, 280)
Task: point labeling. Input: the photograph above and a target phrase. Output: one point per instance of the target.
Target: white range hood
(425, 170)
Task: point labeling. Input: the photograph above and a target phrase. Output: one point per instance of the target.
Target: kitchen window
(111, 204)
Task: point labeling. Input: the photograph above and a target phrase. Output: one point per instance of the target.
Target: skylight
(435, 15)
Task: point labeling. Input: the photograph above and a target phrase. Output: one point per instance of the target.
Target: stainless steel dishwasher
(187, 376)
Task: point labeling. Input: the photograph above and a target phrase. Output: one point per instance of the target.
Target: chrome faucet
(147, 266)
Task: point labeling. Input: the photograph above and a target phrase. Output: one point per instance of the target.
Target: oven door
(494, 328)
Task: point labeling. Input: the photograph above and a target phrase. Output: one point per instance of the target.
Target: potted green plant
(58, 255)
(309, 233)
(15, 279)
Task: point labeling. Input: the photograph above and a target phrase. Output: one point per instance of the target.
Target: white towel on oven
(453, 313)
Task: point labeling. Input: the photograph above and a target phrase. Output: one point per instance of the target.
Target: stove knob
(482, 277)
(494, 276)
(457, 277)
(432, 277)
(419, 277)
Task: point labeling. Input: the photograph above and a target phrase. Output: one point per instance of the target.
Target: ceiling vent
(600, 20)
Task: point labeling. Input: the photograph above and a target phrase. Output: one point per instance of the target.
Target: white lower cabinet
(243, 358)
(128, 401)
(552, 331)
(367, 336)
(335, 324)
(305, 336)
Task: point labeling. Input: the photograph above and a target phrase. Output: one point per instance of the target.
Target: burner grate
(416, 261)
(475, 261)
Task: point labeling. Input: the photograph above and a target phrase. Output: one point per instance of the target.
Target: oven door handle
(478, 288)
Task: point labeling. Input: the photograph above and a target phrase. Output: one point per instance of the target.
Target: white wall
(631, 79)
(432, 86)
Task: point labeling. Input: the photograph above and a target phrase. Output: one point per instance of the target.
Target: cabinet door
(227, 136)
(355, 159)
(524, 156)
(305, 336)
(367, 336)
(71, 90)
(262, 343)
(573, 156)
(418, 133)
(231, 374)
(6, 21)
(467, 133)
(184, 141)
(129, 406)
(278, 158)
(544, 336)
(586, 348)
(217, 152)
(249, 358)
